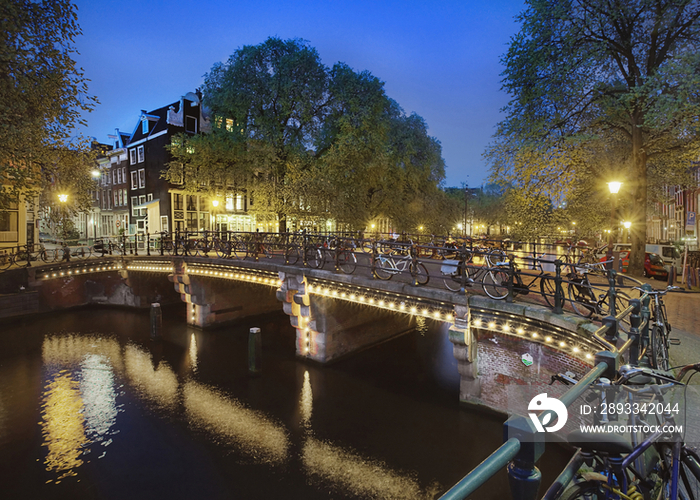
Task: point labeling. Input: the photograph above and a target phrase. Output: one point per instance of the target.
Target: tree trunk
(639, 219)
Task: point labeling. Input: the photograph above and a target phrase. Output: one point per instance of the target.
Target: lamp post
(614, 188)
(627, 225)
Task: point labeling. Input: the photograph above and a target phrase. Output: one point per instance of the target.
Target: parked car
(653, 265)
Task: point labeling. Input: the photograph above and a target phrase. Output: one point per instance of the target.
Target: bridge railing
(524, 446)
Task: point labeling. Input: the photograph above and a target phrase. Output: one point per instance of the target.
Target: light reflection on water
(80, 410)
(62, 425)
(360, 476)
(193, 353)
(159, 385)
(256, 435)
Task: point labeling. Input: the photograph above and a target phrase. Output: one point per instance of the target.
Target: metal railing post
(635, 321)
(558, 291)
(463, 260)
(524, 477)
(148, 244)
(162, 245)
(646, 317)
(612, 294)
(511, 276)
(374, 258)
(414, 264)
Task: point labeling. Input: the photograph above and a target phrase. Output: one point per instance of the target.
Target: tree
(309, 141)
(42, 94)
(587, 76)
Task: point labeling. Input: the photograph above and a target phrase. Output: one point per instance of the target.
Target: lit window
(134, 202)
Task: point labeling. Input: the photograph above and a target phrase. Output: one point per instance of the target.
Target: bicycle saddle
(610, 443)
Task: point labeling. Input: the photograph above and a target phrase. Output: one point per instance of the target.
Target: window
(133, 180)
(178, 202)
(141, 154)
(132, 156)
(191, 202)
(149, 197)
(144, 126)
(9, 223)
(116, 197)
(134, 202)
(191, 124)
(120, 197)
(164, 223)
(119, 176)
(142, 200)
(229, 202)
(123, 174)
(109, 198)
(142, 178)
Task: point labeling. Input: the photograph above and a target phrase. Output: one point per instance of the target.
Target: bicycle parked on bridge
(387, 265)
(495, 281)
(653, 465)
(588, 297)
(659, 330)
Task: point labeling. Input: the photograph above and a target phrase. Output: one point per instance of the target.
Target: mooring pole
(254, 350)
(156, 321)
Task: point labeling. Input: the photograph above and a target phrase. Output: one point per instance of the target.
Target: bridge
(334, 313)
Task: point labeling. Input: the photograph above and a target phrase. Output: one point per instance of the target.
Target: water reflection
(193, 353)
(306, 402)
(62, 425)
(357, 475)
(69, 350)
(99, 398)
(255, 434)
(159, 384)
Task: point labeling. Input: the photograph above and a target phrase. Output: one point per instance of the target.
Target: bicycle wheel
(5, 260)
(548, 289)
(659, 351)
(240, 249)
(82, 252)
(347, 262)
(315, 257)
(582, 299)
(453, 282)
(45, 256)
(586, 490)
(223, 249)
(495, 284)
(367, 246)
(383, 268)
(422, 276)
(621, 303)
(292, 255)
(21, 258)
(689, 483)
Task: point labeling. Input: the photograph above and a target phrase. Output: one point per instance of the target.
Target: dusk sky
(440, 60)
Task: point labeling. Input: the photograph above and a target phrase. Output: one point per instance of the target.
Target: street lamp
(627, 225)
(614, 188)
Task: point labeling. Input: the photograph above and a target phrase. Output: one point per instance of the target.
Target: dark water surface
(91, 408)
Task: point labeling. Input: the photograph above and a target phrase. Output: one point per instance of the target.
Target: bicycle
(660, 330)
(583, 294)
(386, 266)
(24, 256)
(495, 282)
(667, 469)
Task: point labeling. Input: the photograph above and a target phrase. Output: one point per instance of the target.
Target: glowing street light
(63, 198)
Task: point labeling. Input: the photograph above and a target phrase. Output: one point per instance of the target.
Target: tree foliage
(593, 81)
(42, 94)
(310, 141)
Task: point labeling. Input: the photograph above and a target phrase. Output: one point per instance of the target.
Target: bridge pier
(464, 340)
(328, 329)
(212, 301)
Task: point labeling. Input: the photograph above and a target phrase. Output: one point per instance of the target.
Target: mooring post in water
(156, 321)
(254, 350)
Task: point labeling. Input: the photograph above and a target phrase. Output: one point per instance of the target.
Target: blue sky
(440, 60)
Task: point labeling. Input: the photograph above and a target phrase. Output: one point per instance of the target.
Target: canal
(90, 408)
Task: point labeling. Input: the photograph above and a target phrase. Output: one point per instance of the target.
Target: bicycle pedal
(674, 341)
